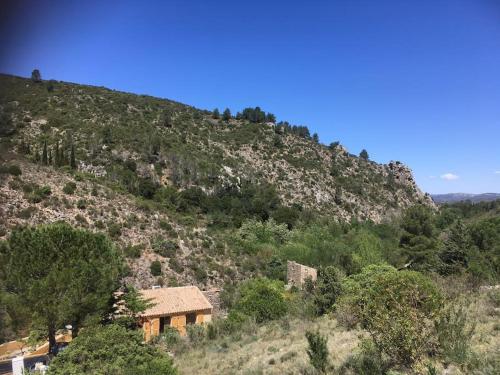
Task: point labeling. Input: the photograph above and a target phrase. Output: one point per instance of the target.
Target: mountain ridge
(459, 197)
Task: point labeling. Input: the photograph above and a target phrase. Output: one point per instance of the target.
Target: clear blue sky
(416, 81)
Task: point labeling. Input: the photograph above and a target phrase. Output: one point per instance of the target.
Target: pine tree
(36, 76)
(216, 114)
(226, 115)
(364, 154)
(454, 254)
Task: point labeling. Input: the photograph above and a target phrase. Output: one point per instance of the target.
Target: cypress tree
(56, 156)
(44, 153)
(72, 157)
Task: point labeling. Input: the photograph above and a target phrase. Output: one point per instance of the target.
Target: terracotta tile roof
(168, 301)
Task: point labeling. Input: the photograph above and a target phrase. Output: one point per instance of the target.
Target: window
(191, 318)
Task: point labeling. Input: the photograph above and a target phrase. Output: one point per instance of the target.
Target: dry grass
(278, 348)
(273, 349)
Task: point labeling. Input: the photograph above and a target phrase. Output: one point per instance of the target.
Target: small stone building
(297, 274)
(174, 307)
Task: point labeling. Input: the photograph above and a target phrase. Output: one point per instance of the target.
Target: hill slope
(155, 174)
(177, 144)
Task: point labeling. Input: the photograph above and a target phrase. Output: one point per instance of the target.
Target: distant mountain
(458, 197)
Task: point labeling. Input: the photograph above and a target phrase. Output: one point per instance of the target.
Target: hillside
(156, 174)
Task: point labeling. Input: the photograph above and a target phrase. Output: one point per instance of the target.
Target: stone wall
(298, 273)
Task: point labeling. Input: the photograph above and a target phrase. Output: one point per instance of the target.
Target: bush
(367, 362)
(261, 299)
(317, 351)
(165, 248)
(133, 251)
(81, 204)
(69, 188)
(155, 268)
(397, 309)
(114, 230)
(196, 334)
(170, 337)
(13, 170)
(111, 349)
(454, 334)
(39, 194)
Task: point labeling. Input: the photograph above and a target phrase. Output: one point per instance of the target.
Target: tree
(44, 154)
(418, 239)
(455, 252)
(111, 349)
(216, 114)
(364, 154)
(72, 159)
(64, 275)
(270, 118)
(226, 115)
(36, 76)
(317, 351)
(315, 138)
(333, 145)
(328, 288)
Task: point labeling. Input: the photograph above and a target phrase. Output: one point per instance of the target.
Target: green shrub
(175, 265)
(81, 204)
(12, 169)
(196, 334)
(170, 337)
(454, 333)
(165, 248)
(397, 308)
(368, 361)
(317, 350)
(261, 299)
(69, 188)
(39, 194)
(114, 230)
(27, 212)
(155, 268)
(133, 251)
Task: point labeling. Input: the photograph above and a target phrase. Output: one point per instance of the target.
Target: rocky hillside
(117, 162)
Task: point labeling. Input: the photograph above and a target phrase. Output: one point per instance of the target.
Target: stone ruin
(298, 273)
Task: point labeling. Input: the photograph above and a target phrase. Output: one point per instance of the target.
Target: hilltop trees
(36, 76)
(216, 114)
(63, 275)
(226, 115)
(364, 154)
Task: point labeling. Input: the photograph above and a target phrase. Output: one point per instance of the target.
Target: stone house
(174, 307)
(297, 274)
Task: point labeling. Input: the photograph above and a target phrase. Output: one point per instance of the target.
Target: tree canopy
(63, 275)
(111, 350)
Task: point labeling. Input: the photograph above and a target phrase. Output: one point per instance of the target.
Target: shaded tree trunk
(52, 338)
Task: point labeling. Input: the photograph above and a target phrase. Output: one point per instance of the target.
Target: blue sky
(416, 81)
